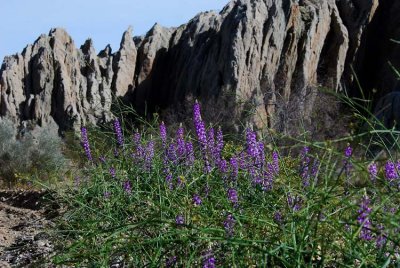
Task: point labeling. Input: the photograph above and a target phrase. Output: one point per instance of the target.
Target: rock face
(257, 61)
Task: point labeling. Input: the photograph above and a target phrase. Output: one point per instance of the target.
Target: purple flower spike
(390, 171)
(229, 225)
(171, 153)
(136, 138)
(118, 132)
(219, 144)
(149, 155)
(381, 237)
(112, 172)
(295, 202)
(363, 219)
(223, 166)
(252, 148)
(209, 260)
(179, 220)
(171, 261)
(196, 112)
(305, 166)
(201, 135)
(85, 143)
(163, 134)
(373, 171)
(235, 168)
(127, 187)
(261, 154)
(348, 152)
(196, 200)
(189, 154)
(168, 179)
(233, 196)
(275, 162)
(180, 142)
(278, 217)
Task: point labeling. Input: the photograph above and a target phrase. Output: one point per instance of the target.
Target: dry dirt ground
(25, 218)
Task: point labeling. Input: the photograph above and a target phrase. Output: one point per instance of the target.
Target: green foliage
(31, 153)
(105, 224)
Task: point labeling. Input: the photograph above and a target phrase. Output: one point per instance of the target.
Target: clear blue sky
(22, 21)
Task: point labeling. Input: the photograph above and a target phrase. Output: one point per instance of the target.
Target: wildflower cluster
(171, 199)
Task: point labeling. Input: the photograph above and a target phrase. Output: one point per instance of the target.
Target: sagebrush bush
(37, 152)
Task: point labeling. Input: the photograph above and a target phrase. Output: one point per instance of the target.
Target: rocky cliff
(259, 61)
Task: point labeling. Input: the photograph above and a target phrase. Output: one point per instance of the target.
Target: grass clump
(181, 199)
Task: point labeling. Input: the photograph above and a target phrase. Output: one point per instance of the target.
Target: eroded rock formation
(259, 61)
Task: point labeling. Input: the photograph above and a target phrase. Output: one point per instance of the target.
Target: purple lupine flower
(234, 168)
(196, 112)
(233, 196)
(278, 217)
(196, 200)
(223, 166)
(171, 153)
(257, 180)
(102, 159)
(241, 160)
(179, 220)
(219, 146)
(118, 132)
(229, 225)
(112, 172)
(136, 138)
(315, 168)
(363, 219)
(373, 171)
(171, 261)
(275, 162)
(140, 153)
(304, 166)
(189, 154)
(295, 202)
(251, 139)
(201, 135)
(348, 152)
(180, 142)
(390, 171)
(149, 155)
(163, 134)
(116, 152)
(267, 180)
(85, 143)
(209, 260)
(127, 186)
(381, 237)
(347, 164)
(168, 179)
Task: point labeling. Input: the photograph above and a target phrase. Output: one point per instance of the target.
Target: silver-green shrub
(26, 152)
